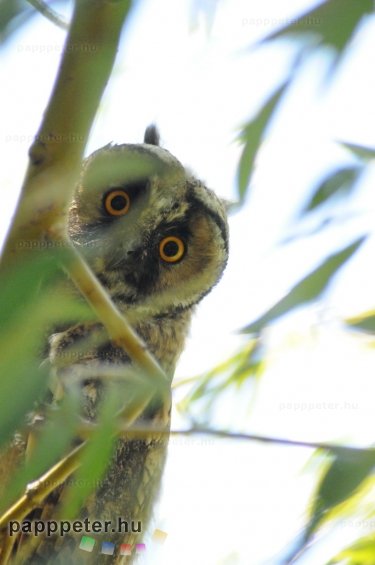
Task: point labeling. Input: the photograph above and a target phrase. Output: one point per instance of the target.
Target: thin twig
(276, 440)
(86, 430)
(49, 13)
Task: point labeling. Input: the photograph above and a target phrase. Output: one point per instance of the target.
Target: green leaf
(308, 289)
(95, 458)
(252, 136)
(332, 22)
(19, 286)
(25, 315)
(341, 480)
(364, 322)
(361, 151)
(51, 442)
(234, 372)
(361, 552)
(339, 182)
(22, 383)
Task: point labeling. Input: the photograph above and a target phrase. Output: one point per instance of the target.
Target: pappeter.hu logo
(64, 527)
(108, 548)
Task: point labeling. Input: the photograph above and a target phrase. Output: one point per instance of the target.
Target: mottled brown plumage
(157, 239)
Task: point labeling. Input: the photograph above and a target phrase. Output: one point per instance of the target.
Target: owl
(157, 239)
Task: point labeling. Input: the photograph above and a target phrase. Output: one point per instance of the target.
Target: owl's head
(155, 235)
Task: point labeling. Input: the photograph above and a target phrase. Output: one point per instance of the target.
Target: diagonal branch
(118, 328)
(49, 13)
(57, 152)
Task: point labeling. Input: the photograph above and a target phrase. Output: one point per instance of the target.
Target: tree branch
(49, 13)
(267, 439)
(86, 429)
(57, 152)
(118, 327)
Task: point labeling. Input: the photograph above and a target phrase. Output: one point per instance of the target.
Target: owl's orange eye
(117, 202)
(171, 249)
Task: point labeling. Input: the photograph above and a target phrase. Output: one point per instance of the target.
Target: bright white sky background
(237, 503)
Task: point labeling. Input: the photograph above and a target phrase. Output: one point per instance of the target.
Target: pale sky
(237, 503)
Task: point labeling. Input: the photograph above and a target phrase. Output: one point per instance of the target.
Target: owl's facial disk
(158, 243)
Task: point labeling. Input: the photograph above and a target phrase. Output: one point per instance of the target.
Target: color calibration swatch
(87, 543)
(108, 548)
(159, 536)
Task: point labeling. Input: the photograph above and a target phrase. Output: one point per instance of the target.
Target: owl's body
(157, 240)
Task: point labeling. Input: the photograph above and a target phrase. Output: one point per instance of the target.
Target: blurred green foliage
(331, 24)
(338, 183)
(252, 135)
(310, 288)
(341, 481)
(233, 373)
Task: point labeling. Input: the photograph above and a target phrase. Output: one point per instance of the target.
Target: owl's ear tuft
(152, 135)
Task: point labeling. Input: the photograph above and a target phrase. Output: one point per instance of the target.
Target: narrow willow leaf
(22, 383)
(364, 322)
(332, 22)
(95, 459)
(361, 552)
(360, 151)
(252, 136)
(50, 443)
(22, 379)
(25, 318)
(245, 364)
(308, 289)
(341, 480)
(69, 307)
(338, 183)
(20, 285)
